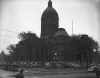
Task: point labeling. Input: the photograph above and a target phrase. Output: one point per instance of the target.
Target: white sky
(25, 15)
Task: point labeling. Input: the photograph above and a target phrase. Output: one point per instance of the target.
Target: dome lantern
(49, 3)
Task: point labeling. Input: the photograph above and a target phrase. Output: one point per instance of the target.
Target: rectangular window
(72, 56)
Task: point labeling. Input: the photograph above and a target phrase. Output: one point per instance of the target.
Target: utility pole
(72, 27)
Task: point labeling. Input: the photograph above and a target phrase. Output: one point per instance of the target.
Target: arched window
(22, 58)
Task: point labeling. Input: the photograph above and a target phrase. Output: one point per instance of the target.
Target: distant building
(53, 43)
(2, 56)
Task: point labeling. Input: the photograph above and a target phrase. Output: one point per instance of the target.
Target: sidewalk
(55, 71)
(68, 73)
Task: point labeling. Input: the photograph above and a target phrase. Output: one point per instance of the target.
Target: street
(48, 73)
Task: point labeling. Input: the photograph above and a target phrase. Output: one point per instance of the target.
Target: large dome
(49, 11)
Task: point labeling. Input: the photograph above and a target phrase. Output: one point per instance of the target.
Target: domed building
(53, 43)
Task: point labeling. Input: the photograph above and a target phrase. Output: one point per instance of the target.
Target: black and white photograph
(49, 38)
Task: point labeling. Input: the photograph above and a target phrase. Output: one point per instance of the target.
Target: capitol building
(53, 44)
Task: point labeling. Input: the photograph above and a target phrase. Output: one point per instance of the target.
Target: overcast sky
(25, 15)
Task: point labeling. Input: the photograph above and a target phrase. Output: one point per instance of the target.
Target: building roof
(61, 31)
(50, 10)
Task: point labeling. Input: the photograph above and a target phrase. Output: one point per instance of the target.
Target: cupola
(49, 21)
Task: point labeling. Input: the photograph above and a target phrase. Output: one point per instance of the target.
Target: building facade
(53, 43)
